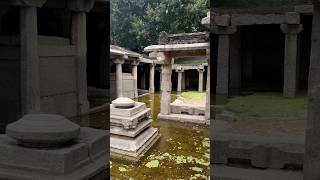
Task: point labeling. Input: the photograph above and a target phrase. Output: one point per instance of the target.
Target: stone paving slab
(221, 172)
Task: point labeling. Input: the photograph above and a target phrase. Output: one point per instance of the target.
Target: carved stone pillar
(166, 85)
(201, 71)
(135, 77)
(119, 63)
(151, 76)
(179, 70)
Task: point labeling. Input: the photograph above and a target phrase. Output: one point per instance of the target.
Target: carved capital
(291, 28)
(118, 61)
(80, 5)
(179, 69)
(135, 63)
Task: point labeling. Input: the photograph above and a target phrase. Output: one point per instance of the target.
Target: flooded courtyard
(182, 152)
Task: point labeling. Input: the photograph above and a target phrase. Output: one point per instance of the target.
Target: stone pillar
(311, 165)
(30, 82)
(166, 85)
(207, 112)
(223, 29)
(200, 86)
(135, 77)
(151, 76)
(79, 39)
(291, 45)
(183, 81)
(179, 70)
(119, 63)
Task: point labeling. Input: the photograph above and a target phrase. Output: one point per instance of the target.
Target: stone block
(292, 18)
(223, 20)
(130, 122)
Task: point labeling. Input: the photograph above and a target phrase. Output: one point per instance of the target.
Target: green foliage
(136, 24)
(254, 3)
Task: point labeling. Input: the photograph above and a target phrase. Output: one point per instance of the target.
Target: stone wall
(58, 87)
(127, 85)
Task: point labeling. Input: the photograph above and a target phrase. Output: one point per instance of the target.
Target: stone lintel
(291, 28)
(224, 30)
(152, 64)
(118, 61)
(80, 5)
(23, 3)
(255, 19)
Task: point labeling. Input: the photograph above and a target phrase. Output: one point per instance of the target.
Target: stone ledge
(262, 152)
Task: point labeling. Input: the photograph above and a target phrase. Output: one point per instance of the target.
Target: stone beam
(256, 19)
(24, 3)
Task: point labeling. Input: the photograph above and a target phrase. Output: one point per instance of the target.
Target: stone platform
(84, 158)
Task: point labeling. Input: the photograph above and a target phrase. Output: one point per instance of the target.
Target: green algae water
(182, 152)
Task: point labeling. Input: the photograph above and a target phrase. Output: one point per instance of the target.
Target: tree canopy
(136, 24)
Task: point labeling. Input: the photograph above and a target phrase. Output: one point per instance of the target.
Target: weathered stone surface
(82, 159)
(130, 122)
(127, 112)
(184, 118)
(42, 130)
(123, 102)
(255, 19)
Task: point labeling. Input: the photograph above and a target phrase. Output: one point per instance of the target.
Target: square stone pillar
(79, 39)
(223, 30)
(290, 62)
(119, 78)
(179, 70)
(311, 165)
(166, 84)
(30, 82)
(135, 77)
(151, 76)
(200, 82)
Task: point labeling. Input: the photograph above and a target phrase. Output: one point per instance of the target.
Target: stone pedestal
(201, 71)
(67, 151)
(290, 62)
(131, 131)
(151, 84)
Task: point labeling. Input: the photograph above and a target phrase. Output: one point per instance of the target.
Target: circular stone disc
(43, 130)
(123, 102)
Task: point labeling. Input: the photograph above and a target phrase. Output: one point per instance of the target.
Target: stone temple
(131, 131)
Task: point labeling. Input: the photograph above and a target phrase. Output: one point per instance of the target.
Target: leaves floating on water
(153, 164)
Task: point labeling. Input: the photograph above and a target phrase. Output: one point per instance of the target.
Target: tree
(136, 24)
